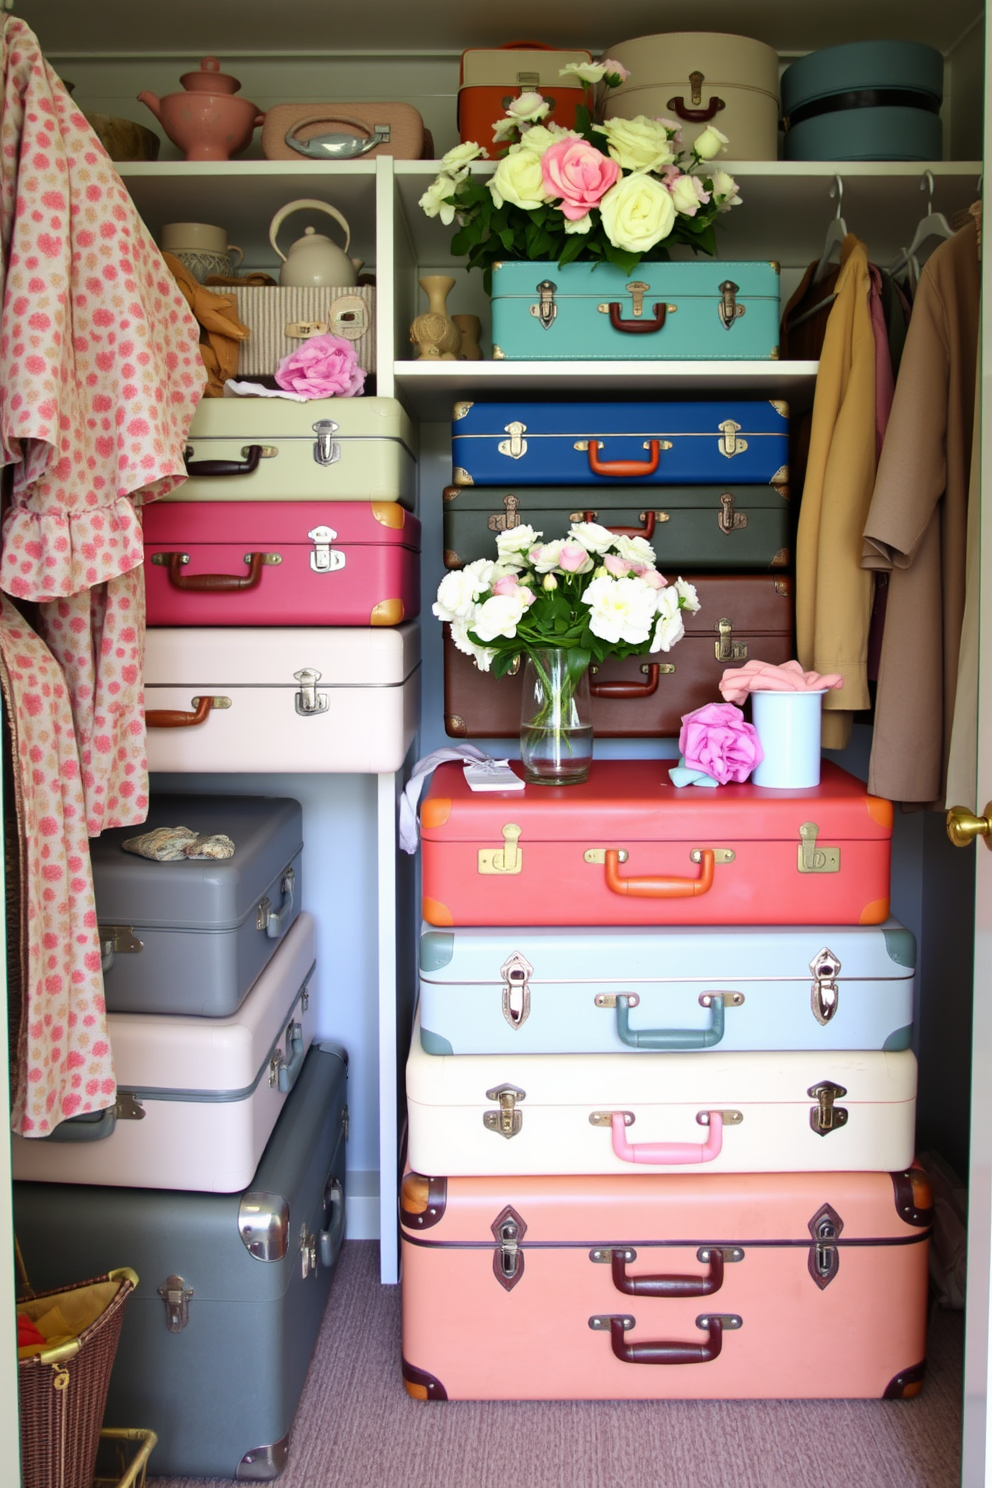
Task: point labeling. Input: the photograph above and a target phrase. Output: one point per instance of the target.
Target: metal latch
(506, 859)
(345, 1123)
(507, 1121)
(324, 558)
(128, 1107)
(301, 330)
(546, 311)
(349, 316)
(696, 85)
(117, 940)
(516, 972)
(825, 993)
(728, 520)
(176, 1294)
(308, 699)
(728, 309)
(527, 80)
(308, 1252)
(825, 1117)
(813, 859)
(509, 520)
(508, 1259)
(326, 450)
(637, 289)
(728, 444)
(726, 648)
(516, 445)
(824, 1257)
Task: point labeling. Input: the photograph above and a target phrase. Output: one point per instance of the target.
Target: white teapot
(313, 260)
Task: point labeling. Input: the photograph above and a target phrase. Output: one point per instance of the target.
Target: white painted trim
(389, 1260)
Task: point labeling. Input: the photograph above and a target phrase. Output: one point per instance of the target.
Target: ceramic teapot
(314, 260)
(206, 119)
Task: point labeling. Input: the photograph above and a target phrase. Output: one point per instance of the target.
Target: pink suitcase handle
(656, 886)
(667, 1154)
(624, 469)
(214, 583)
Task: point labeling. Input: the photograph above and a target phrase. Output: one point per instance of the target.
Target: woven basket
(281, 317)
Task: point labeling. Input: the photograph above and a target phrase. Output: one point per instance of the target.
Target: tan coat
(833, 591)
(917, 527)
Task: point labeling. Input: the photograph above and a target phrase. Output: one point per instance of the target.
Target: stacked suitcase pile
(219, 1173)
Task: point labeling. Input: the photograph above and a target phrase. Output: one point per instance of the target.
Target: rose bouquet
(618, 191)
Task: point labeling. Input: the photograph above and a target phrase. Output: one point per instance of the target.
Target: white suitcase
(321, 698)
(197, 1098)
(551, 991)
(329, 449)
(501, 1114)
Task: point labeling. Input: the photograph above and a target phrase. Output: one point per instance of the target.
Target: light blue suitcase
(700, 311)
(729, 988)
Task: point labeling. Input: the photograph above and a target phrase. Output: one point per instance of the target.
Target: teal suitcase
(864, 100)
(700, 311)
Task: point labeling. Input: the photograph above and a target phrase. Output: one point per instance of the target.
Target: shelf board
(430, 388)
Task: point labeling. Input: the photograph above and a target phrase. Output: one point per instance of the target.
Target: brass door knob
(963, 826)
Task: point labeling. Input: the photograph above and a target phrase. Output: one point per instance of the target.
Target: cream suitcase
(328, 449)
(197, 1098)
(700, 78)
(282, 317)
(500, 1114)
(321, 698)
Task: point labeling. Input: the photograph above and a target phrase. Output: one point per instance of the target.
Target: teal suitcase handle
(677, 1038)
(289, 1070)
(331, 1239)
(279, 922)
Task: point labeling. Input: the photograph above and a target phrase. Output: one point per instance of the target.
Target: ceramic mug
(200, 248)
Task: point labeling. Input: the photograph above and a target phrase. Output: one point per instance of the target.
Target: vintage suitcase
(281, 563)
(330, 449)
(865, 100)
(755, 1112)
(192, 936)
(707, 310)
(741, 615)
(699, 527)
(669, 444)
(785, 1285)
(197, 1098)
(492, 77)
(342, 131)
(628, 848)
(219, 1333)
(582, 991)
(309, 698)
(281, 317)
(702, 77)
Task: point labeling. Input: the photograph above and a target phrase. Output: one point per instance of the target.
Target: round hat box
(865, 100)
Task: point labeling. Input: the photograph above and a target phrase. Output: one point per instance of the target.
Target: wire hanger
(933, 225)
(836, 233)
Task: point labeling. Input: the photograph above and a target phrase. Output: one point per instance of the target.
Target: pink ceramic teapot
(206, 120)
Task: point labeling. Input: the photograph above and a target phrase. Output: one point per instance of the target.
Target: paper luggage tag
(491, 775)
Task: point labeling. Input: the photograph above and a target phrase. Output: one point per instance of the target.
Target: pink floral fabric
(64, 1065)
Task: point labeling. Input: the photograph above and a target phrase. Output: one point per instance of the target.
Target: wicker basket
(123, 1458)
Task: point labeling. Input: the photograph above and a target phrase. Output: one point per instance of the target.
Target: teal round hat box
(866, 100)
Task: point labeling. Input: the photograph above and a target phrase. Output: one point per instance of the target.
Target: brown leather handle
(214, 583)
(640, 327)
(657, 886)
(621, 690)
(176, 718)
(525, 46)
(667, 1286)
(199, 468)
(667, 1353)
(624, 469)
(647, 531)
(696, 115)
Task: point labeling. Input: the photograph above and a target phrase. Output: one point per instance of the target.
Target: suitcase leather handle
(289, 1069)
(640, 327)
(671, 1038)
(624, 469)
(655, 886)
(668, 1154)
(668, 1353)
(331, 1238)
(667, 1286)
(644, 689)
(176, 718)
(214, 583)
(647, 531)
(696, 115)
(197, 468)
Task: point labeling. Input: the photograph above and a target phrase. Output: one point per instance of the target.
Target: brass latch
(506, 859)
(825, 967)
(516, 445)
(308, 699)
(301, 330)
(728, 309)
(509, 519)
(516, 972)
(637, 289)
(728, 444)
(526, 80)
(326, 450)
(726, 648)
(813, 859)
(324, 558)
(825, 1117)
(176, 1294)
(728, 520)
(696, 80)
(507, 1121)
(545, 310)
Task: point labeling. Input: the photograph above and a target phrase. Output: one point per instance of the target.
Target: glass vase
(555, 718)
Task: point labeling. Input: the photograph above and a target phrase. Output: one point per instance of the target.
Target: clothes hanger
(836, 233)
(933, 225)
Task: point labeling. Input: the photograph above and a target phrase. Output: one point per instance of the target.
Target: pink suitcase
(281, 563)
(770, 1286)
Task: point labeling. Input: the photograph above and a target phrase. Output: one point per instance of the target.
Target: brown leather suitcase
(343, 131)
(744, 617)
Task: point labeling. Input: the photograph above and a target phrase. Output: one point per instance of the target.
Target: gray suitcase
(192, 936)
(218, 1336)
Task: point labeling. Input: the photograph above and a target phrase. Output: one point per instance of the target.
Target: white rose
(633, 549)
(639, 144)
(479, 575)
(539, 136)
(545, 558)
(579, 224)
(620, 609)
(516, 543)
(481, 655)
(669, 629)
(711, 142)
(518, 180)
(687, 594)
(724, 189)
(458, 158)
(504, 129)
(433, 203)
(688, 194)
(589, 72)
(637, 213)
(456, 596)
(500, 616)
(593, 537)
(529, 108)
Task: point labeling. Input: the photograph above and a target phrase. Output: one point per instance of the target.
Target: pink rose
(716, 740)
(618, 567)
(576, 171)
(573, 557)
(506, 585)
(322, 367)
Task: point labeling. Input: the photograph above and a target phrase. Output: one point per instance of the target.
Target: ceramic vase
(434, 333)
(555, 718)
(470, 327)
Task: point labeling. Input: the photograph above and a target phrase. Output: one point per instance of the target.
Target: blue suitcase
(591, 444)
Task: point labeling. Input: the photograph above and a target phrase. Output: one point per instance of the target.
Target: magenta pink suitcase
(281, 563)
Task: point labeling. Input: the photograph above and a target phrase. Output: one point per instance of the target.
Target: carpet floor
(357, 1427)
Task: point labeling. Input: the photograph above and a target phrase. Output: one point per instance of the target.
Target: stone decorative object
(173, 844)
(470, 327)
(434, 334)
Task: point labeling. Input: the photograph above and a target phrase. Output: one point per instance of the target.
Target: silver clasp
(728, 309)
(545, 310)
(516, 972)
(516, 445)
(326, 450)
(308, 699)
(825, 967)
(324, 558)
(176, 1294)
(728, 444)
(507, 1121)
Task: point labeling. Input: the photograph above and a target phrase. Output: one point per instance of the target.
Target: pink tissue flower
(716, 740)
(577, 172)
(323, 367)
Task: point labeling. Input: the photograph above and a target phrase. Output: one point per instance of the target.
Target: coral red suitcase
(628, 848)
(281, 563)
(750, 1286)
